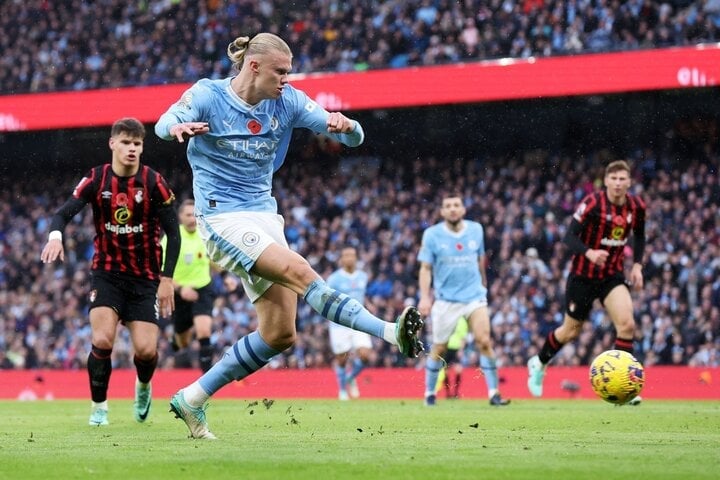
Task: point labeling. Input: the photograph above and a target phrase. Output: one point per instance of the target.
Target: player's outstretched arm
(54, 248)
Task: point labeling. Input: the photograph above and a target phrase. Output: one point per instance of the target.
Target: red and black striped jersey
(127, 222)
(607, 226)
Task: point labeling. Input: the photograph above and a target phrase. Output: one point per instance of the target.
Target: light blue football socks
(248, 355)
(489, 369)
(340, 308)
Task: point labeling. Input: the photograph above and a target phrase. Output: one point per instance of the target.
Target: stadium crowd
(381, 207)
(78, 45)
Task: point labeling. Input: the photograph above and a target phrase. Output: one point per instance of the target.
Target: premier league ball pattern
(616, 376)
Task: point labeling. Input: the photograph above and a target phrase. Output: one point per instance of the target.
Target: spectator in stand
(71, 46)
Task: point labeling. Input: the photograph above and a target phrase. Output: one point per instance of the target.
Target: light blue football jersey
(454, 258)
(352, 284)
(233, 164)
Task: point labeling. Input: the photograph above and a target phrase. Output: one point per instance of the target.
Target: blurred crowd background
(381, 207)
(76, 44)
(332, 197)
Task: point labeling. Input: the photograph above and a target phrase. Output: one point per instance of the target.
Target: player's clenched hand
(52, 251)
(339, 123)
(189, 129)
(598, 257)
(424, 306)
(636, 277)
(166, 296)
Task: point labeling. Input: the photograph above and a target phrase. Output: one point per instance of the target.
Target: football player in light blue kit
(353, 281)
(239, 129)
(452, 261)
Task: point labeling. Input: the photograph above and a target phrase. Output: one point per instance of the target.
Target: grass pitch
(368, 439)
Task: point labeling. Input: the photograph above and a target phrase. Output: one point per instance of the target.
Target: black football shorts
(186, 311)
(581, 292)
(133, 298)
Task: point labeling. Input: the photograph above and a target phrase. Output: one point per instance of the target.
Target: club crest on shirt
(250, 239)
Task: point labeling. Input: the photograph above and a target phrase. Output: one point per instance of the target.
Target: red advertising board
(678, 383)
(506, 79)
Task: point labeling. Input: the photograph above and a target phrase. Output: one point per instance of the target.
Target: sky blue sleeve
(191, 107)
(481, 240)
(313, 116)
(425, 255)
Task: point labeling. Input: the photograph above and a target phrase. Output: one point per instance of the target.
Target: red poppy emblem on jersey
(121, 200)
(458, 246)
(618, 221)
(254, 127)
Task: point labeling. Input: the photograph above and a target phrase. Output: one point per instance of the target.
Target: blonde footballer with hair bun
(261, 44)
(239, 129)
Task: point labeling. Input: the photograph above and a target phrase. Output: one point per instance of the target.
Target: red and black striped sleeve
(82, 195)
(164, 199)
(579, 237)
(639, 210)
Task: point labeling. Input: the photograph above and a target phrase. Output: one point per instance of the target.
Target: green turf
(368, 439)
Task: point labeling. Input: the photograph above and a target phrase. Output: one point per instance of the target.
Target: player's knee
(203, 329)
(145, 352)
(625, 327)
(483, 342)
(299, 271)
(364, 354)
(102, 342)
(280, 340)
